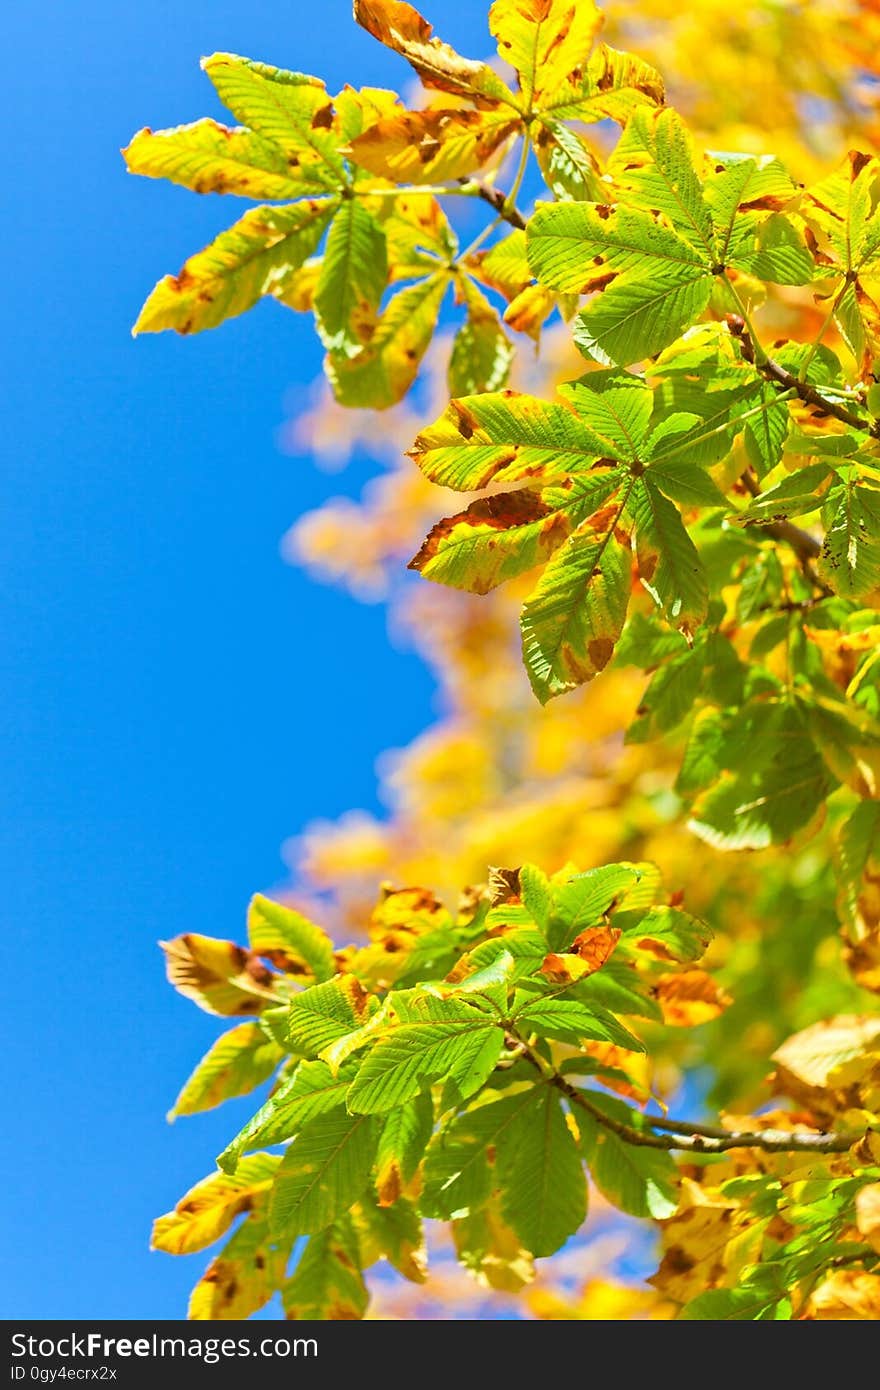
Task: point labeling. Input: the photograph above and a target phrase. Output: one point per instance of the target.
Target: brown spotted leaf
(209, 1208)
(573, 618)
(421, 146)
(399, 26)
(256, 256)
(502, 536)
(219, 976)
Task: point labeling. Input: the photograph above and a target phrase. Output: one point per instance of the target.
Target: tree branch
(805, 546)
(685, 1137)
(785, 380)
(497, 199)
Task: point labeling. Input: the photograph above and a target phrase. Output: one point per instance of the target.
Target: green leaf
(792, 496)
(669, 566)
(381, 373)
(737, 183)
(584, 900)
(328, 1283)
(669, 698)
(747, 1303)
(774, 781)
(571, 245)
(452, 1039)
(681, 936)
(354, 273)
(536, 893)
(291, 111)
(680, 481)
(544, 1193)
(322, 1173)
(850, 558)
(505, 438)
(405, 1136)
(634, 319)
(212, 158)
(310, 1091)
(250, 259)
(457, 1178)
(570, 1021)
(615, 407)
(858, 844)
(235, 1064)
(502, 536)
(320, 1015)
(653, 163)
(289, 939)
(638, 1180)
(575, 614)
(481, 353)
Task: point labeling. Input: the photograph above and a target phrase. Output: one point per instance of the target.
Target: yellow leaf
(808, 1063)
(219, 976)
(209, 1208)
(241, 1279)
(845, 1296)
(868, 1213)
(254, 257)
(401, 27)
(419, 146)
(212, 158)
(545, 41)
(528, 310)
(689, 997)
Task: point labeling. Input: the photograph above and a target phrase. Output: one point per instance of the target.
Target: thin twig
(496, 198)
(805, 546)
(785, 380)
(692, 1138)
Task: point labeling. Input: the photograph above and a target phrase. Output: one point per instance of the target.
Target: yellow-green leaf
(212, 158)
(253, 257)
(209, 1208)
(236, 1063)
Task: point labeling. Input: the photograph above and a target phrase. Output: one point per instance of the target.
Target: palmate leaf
(653, 253)
(402, 1143)
(319, 1016)
(322, 1173)
(457, 1177)
(549, 43)
(588, 488)
(570, 1021)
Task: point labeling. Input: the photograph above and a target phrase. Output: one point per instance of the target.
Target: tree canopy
(661, 401)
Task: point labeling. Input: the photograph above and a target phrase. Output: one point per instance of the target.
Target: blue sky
(176, 701)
